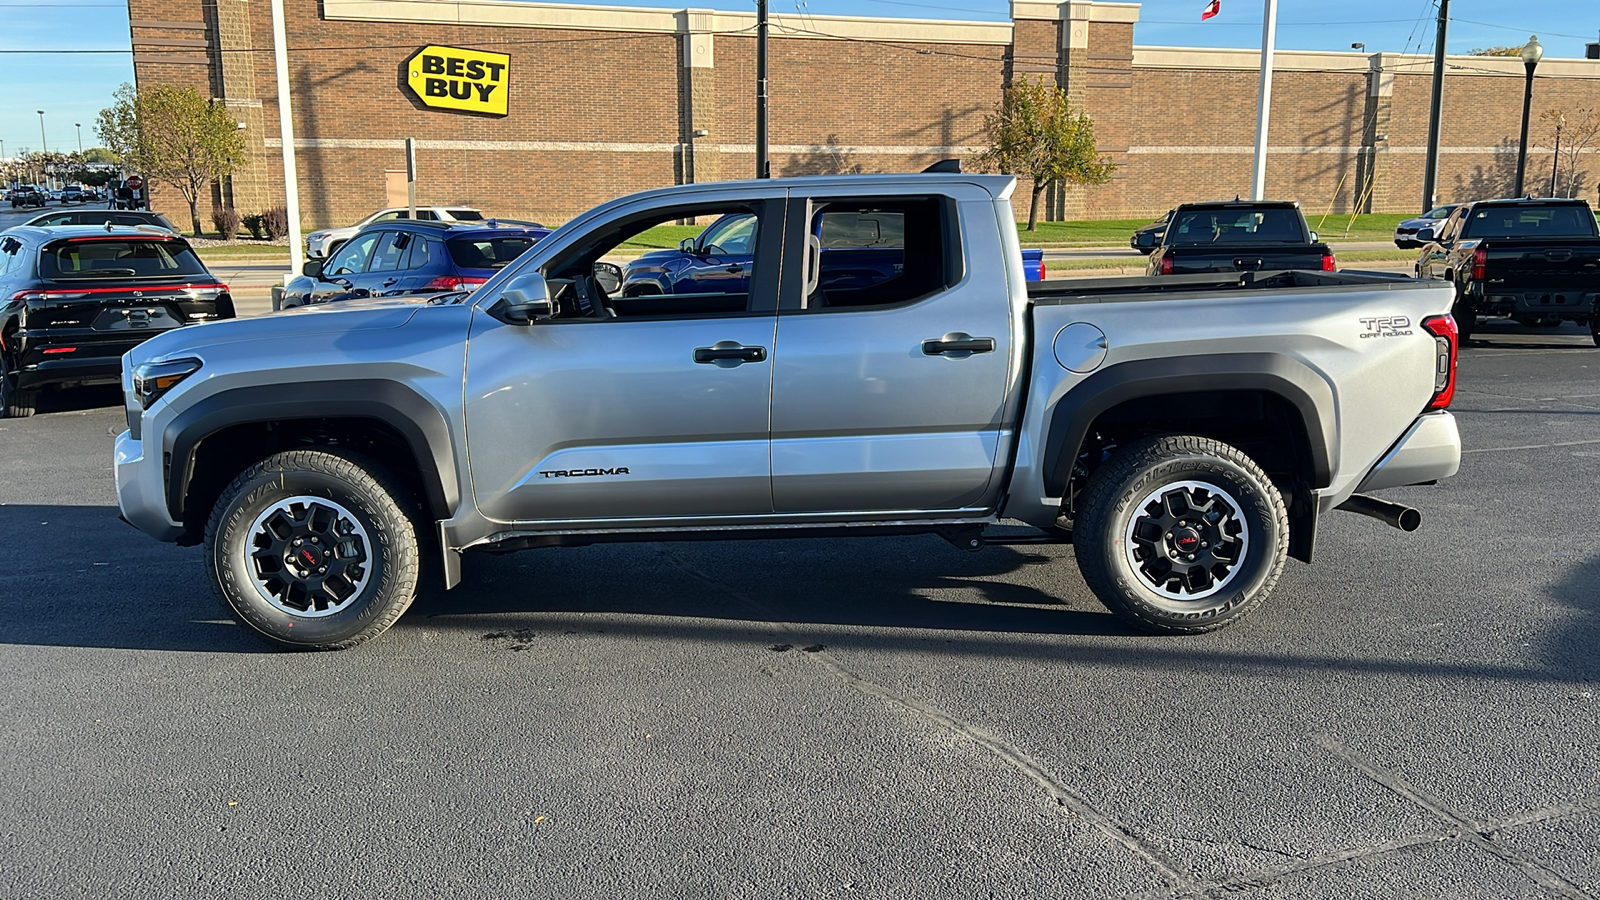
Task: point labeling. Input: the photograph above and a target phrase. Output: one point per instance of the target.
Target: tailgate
(1571, 264)
(121, 312)
(1245, 258)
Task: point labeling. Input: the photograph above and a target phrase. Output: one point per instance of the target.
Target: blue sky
(73, 87)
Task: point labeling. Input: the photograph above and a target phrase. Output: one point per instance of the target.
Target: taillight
(1480, 256)
(1328, 262)
(1041, 268)
(453, 282)
(1166, 265)
(1447, 338)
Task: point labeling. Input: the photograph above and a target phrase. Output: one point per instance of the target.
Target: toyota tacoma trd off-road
(1184, 433)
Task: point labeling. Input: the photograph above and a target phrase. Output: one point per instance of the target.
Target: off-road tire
(1116, 499)
(359, 496)
(15, 403)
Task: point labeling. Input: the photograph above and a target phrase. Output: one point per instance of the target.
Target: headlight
(151, 380)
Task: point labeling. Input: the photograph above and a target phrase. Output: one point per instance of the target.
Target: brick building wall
(606, 101)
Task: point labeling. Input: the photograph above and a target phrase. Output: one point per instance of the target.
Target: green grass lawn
(1116, 232)
(661, 237)
(239, 252)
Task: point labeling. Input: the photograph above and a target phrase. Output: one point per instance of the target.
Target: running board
(973, 538)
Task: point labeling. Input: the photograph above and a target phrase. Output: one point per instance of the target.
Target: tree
(1575, 131)
(1495, 51)
(99, 155)
(173, 135)
(1035, 132)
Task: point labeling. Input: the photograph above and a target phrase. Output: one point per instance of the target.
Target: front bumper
(142, 488)
(1429, 450)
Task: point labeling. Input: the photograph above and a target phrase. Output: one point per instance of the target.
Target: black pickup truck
(1238, 236)
(1536, 261)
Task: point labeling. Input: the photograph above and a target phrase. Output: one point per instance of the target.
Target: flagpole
(1269, 28)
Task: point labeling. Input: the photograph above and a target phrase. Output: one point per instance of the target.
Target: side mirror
(687, 245)
(1146, 239)
(1426, 234)
(312, 268)
(1313, 237)
(524, 300)
(608, 276)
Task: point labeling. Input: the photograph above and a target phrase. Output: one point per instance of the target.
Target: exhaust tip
(1410, 520)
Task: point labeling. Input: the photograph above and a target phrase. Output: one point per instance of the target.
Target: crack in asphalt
(1074, 804)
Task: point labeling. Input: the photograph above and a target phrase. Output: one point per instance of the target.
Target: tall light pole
(44, 147)
(291, 177)
(1555, 158)
(1531, 54)
(1430, 163)
(79, 126)
(1269, 34)
(763, 167)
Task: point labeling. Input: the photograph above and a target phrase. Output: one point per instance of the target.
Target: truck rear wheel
(1181, 534)
(312, 549)
(15, 403)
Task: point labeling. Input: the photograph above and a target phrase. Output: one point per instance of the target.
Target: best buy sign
(453, 78)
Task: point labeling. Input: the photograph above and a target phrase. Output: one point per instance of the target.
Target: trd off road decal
(1386, 326)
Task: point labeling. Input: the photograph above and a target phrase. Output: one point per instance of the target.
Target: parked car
(1406, 233)
(1184, 436)
(73, 193)
(323, 242)
(399, 256)
(75, 298)
(1536, 261)
(855, 247)
(103, 216)
(129, 193)
(1145, 239)
(1239, 236)
(27, 195)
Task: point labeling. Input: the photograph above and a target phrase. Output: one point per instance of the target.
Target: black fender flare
(1273, 373)
(418, 421)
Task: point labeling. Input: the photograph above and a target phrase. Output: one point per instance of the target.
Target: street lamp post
(44, 147)
(1531, 54)
(1555, 158)
(79, 126)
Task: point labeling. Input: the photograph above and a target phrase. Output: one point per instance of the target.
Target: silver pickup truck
(1183, 433)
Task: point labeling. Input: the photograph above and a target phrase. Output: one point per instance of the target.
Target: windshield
(1442, 212)
(487, 253)
(1531, 221)
(81, 260)
(1235, 226)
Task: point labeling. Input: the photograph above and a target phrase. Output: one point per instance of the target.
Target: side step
(973, 538)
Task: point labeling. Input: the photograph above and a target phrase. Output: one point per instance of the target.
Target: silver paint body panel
(846, 421)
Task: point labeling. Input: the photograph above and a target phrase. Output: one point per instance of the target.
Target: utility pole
(79, 126)
(1269, 34)
(763, 167)
(1430, 166)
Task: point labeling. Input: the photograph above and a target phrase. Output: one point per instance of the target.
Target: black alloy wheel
(1181, 534)
(313, 549)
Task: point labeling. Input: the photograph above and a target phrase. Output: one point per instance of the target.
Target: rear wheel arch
(219, 437)
(1253, 401)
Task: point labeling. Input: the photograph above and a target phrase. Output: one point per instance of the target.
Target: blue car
(412, 257)
(858, 249)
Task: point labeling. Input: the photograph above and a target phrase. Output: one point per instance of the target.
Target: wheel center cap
(308, 557)
(1186, 540)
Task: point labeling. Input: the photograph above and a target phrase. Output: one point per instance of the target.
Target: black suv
(74, 298)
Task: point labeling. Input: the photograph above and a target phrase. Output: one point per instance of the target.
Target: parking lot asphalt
(1413, 715)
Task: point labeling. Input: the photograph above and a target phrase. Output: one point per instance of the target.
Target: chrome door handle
(728, 354)
(958, 345)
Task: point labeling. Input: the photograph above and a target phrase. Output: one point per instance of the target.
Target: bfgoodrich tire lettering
(1181, 534)
(312, 549)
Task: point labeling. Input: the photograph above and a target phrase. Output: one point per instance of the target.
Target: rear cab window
(78, 259)
(1531, 221)
(1233, 226)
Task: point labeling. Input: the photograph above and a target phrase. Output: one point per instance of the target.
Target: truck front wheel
(312, 549)
(1181, 534)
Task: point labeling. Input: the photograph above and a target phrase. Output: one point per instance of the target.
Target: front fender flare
(421, 423)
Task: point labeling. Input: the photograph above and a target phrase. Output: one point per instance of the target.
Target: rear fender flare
(1273, 373)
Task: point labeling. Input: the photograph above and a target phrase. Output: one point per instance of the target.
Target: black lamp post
(1555, 158)
(1531, 54)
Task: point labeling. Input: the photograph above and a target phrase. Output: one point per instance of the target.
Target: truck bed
(1148, 287)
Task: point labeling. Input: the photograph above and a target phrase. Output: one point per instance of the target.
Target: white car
(321, 243)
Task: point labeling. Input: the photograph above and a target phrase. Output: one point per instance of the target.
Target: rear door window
(391, 251)
(421, 253)
(878, 252)
(74, 260)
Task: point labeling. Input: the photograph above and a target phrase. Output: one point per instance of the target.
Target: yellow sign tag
(453, 78)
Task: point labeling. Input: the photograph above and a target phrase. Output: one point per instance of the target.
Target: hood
(323, 319)
(655, 257)
(1418, 222)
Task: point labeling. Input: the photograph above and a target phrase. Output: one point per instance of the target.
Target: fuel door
(1080, 347)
